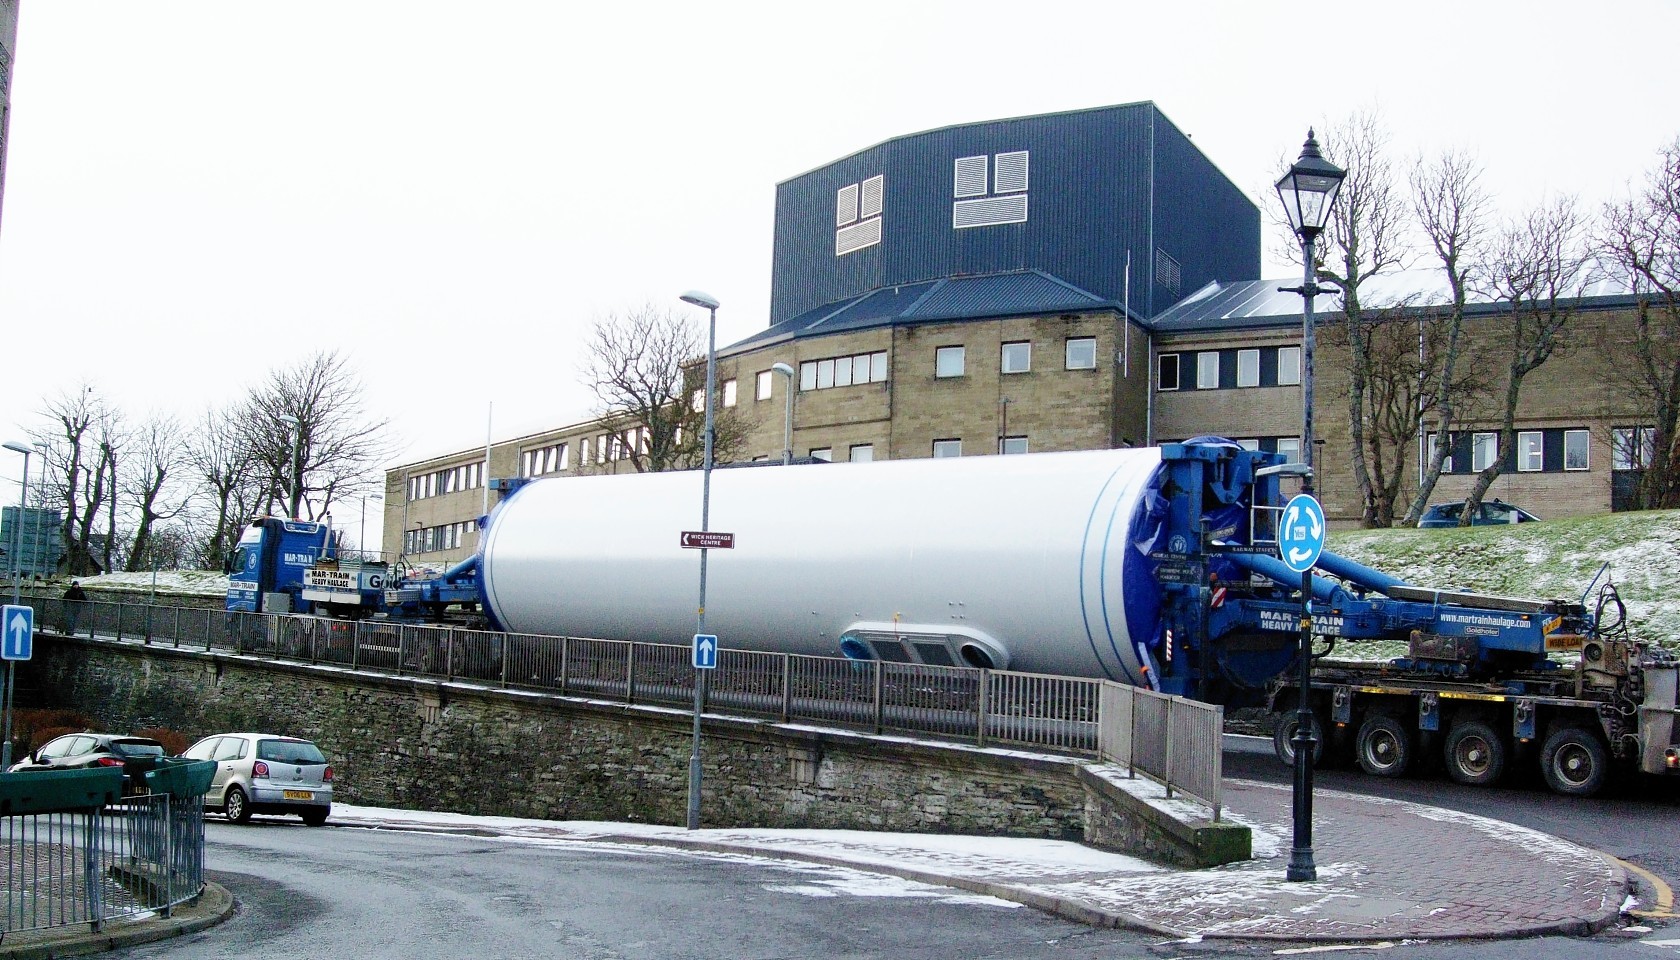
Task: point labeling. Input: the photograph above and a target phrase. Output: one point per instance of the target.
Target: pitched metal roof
(1255, 304)
(1013, 294)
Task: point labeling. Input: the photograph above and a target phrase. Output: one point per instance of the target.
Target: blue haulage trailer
(1155, 566)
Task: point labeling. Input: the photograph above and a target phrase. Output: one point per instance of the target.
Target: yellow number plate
(299, 795)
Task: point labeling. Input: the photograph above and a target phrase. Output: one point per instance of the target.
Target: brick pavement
(1387, 869)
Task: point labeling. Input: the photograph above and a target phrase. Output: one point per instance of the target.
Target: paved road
(333, 893)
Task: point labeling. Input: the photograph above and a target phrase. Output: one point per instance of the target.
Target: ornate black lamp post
(1308, 191)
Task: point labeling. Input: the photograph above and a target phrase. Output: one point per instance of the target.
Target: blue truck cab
(269, 567)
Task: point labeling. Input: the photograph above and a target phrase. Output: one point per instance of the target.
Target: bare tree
(153, 484)
(1452, 210)
(79, 441)
(225, 466)
(307, 428)
(1639, 238)
(1366, 238)
(1537, 271)
(641, 365)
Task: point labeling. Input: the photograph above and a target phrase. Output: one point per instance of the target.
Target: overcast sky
(448, 193)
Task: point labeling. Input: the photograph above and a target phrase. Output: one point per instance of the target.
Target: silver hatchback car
(266, 773)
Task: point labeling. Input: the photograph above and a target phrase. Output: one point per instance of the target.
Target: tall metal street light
(787, 421)
(17, 597)
(297, 461)
(1308, 191)
(706, 300)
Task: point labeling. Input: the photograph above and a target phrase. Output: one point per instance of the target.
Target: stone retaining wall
(421, 744)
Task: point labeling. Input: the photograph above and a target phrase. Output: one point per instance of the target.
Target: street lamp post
(787, 421)
(1308, 191)
(17, 594)
(297, 462)
(706, 300)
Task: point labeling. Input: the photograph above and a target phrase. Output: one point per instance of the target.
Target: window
(1005, 202)
(1290, 447)
(1575, 450)
(1012, 445)
(1017, 357)
(1484, 450)
(1248, 368)
(1429, 451)
(583, 451)
(842, 371)
(698, 402)
(1249, 444)
(863, 453)
(1631, 448)
(1207, 370)
(948, 362)
(825, 454)
(1167, 272)
(1166, 371)
(1289, 366)
(857, 215)
(1531, 451)
(729, 392)
(765, 382)
(1082, 353)
(947, 448)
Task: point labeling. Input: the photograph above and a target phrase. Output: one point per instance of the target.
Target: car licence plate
(299, 795)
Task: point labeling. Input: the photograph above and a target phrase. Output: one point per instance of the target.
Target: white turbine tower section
(1018, 562)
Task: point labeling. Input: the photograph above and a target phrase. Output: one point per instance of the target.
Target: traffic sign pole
(1300, 543)
(17, 642)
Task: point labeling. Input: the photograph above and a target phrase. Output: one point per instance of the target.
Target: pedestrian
(75, 601)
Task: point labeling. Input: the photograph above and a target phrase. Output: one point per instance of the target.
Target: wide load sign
(342, 584)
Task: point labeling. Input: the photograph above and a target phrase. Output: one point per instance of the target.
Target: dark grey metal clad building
(1069, 194)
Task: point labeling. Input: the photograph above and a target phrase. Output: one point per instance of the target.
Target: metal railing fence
(144, 854)
(1174, 740)
(1169, 739)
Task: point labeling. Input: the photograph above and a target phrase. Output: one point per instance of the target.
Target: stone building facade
(1577, 428)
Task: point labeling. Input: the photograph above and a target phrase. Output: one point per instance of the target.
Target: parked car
(266, 773)
(76, 751)
(1491, 512)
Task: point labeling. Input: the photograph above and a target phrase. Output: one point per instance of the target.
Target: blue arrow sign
(19, 640)
(705, 651)
(1302, 532)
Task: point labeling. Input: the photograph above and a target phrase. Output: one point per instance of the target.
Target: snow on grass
(1553, 559)
(209, 583)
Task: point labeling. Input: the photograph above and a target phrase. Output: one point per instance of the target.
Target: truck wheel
(1384, 747)
(1574, 762)
(1283, 738)
(1475, 754)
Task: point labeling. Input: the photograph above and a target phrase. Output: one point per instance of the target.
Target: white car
(266, 773)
